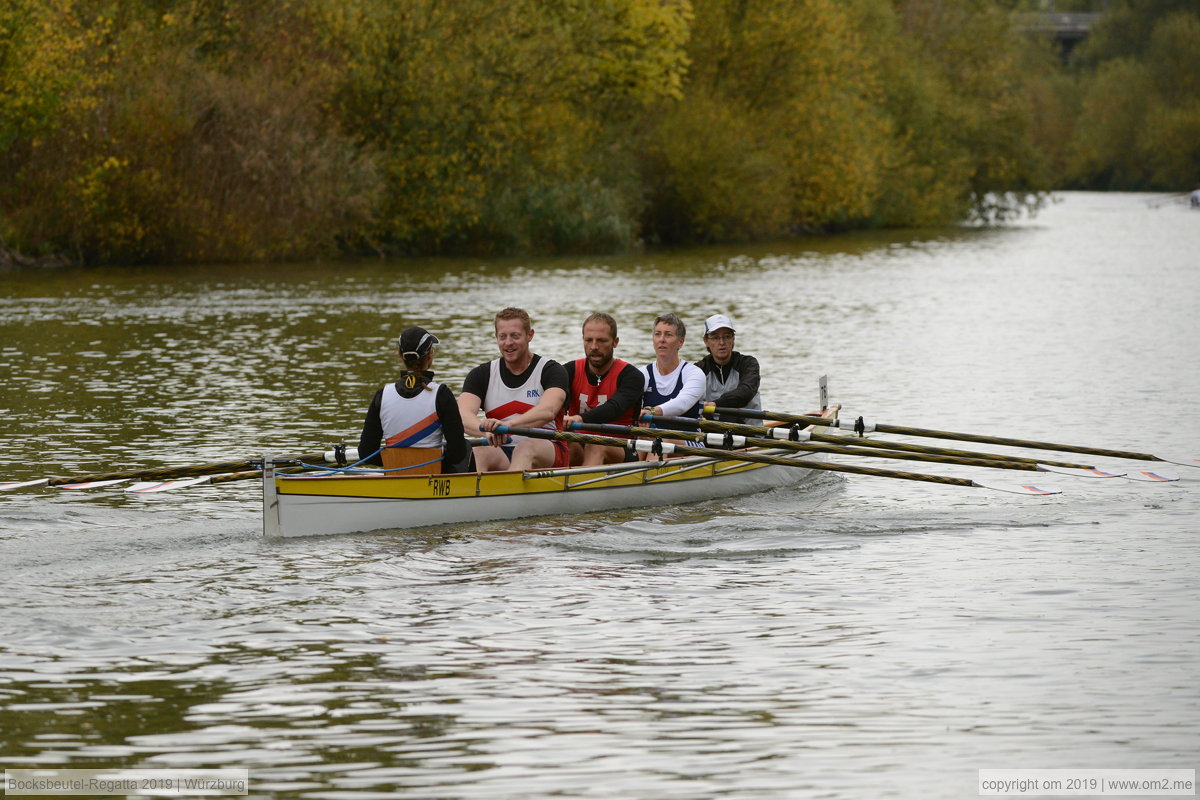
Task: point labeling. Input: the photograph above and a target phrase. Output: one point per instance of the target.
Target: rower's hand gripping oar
(862, 426)
(672, 448)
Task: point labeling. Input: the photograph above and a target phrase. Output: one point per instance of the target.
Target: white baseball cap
(716, 322)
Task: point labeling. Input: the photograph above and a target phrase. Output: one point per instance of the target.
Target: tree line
(173, 131)
(1124, 114)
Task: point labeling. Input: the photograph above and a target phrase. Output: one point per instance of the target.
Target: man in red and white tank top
(604, 389)
(519, 389)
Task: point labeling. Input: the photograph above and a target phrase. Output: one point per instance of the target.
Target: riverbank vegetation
(1124, 114)
(197, 130)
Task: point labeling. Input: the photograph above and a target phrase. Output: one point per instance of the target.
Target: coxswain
(415, 419)
(519, 389)
(604, 389)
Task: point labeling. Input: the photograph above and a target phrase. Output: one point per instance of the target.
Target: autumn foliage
(199, 130)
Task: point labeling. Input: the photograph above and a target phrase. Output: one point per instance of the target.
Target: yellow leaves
(214, 129)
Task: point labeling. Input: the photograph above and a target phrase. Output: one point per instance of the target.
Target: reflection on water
(864, 638)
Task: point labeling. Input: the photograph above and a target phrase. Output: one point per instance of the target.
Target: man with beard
(604, 389)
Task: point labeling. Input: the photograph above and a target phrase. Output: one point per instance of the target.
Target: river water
(864, 638)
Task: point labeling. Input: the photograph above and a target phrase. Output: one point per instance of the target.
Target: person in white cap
(731, 378)
(415, 419)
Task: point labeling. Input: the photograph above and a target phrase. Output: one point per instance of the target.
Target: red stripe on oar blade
(163, 486)
(1079, 472)
(1018, 488)
(91, 484)
(22, 484)
(1153, 476)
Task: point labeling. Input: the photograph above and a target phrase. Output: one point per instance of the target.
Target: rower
(519, 389)
(674, 387)
(416, 419)
(604, 389)
(731, 378)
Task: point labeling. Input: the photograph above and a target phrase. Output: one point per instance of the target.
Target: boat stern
(271, 524)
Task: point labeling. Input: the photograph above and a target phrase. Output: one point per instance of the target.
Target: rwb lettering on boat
(440, 486)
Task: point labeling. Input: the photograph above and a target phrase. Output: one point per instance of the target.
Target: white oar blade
(91, 484)
(4, 487)
(1153, 475)
(149, 487)
(1080, 473)
(1019, 488)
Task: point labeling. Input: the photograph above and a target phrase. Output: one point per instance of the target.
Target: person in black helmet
(415, 419)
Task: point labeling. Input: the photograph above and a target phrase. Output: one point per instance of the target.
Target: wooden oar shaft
(169, 473)
(858, 442)
(819, 447)
(772, 415)
(256, 473)
(734, 455)
(903, 430)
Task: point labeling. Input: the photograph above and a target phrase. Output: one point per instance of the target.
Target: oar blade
(151, 487)
(1040, 490)
(4, 487)
(90, 484)
(1080, 473)
(1152, 475)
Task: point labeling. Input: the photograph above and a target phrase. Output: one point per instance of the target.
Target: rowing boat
(304, 505)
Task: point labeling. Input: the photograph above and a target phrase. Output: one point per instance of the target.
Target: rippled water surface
(863, 638)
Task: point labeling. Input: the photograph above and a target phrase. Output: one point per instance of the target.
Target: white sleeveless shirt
(503, 403)
(410, 421)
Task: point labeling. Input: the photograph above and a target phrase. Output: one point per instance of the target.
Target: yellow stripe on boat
(305, 505)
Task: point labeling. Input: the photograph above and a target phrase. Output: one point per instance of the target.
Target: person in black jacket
(732, 378)
(416, 420)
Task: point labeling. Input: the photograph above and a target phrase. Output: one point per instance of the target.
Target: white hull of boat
(315, 506)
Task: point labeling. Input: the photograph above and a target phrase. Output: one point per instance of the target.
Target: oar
(153, 487)
(791, 434)
(862, 426)
(169, 473)
(737, 441)
(669, 448)
(90, 484)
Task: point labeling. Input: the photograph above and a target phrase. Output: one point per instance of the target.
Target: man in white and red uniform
(520, 389)
(604, 389)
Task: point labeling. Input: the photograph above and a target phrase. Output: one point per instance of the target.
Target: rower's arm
(692, 392)
(546, 409)
(468, 408)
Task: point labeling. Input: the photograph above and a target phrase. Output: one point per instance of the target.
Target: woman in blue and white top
(674, 387)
